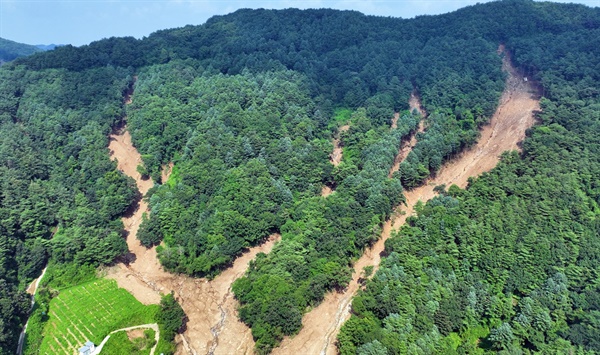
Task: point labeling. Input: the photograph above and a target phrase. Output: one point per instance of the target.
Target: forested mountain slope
(245, 106)
(511, 263)
(10, 50)
(505, 131)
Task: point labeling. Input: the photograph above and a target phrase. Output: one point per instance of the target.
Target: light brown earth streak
(514, 115)
(213, 325)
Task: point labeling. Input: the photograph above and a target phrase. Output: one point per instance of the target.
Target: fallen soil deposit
(321, 325)
(415, 104)
(505, 130)
(326, 191)
(213, 326)
(405, 148)
(335, 158)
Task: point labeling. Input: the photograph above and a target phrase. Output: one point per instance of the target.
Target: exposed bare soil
(326, 191)
(33, 286)
(414, 102)
(135, 333)
(405, 147)
(336, 156)
(213, 325)
(394, 124)
(505, 130)
(321, 325)
(166, 172)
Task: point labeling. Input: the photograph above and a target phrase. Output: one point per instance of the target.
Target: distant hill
(48, 47)
(10, 50)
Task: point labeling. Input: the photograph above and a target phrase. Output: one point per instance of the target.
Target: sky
(79, 22)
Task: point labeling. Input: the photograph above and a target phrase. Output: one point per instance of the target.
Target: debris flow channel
(213, 326)
(514, 115)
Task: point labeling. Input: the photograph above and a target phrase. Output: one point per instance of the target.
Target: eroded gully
(336, 157)
(213, 326)
(514, 115)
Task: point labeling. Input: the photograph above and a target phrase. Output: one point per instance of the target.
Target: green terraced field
(90, 311)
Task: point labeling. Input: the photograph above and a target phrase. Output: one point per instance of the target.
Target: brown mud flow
(321, 325)
(506, 129)
(335, 157)
(414, 102)
(326, 191)
(213, 326)
(406, 146)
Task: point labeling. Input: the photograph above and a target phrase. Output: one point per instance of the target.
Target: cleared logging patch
(90, 311)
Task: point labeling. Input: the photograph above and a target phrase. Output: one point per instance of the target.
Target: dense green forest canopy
(509, 265)
(61, 195)
(245, 106)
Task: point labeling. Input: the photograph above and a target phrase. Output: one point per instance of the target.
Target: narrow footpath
(514, 115)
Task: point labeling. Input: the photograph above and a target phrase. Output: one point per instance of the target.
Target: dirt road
(33, 286)
(209, 305)
(31, 290)
(505, 130)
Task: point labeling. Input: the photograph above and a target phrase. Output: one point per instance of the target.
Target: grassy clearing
(119, 343)
(341, 116)
(175, 177)
(90, 311)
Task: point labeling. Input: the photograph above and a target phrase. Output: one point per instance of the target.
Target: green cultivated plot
(90, 312)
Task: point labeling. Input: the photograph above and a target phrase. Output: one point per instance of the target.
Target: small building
(87, 348)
